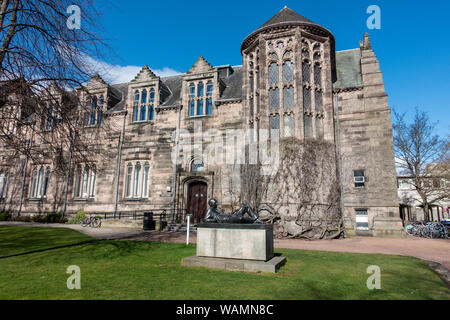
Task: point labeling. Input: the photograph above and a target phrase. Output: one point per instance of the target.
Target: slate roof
(286, 15)
(348, 69)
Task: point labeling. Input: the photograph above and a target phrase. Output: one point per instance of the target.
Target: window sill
(37, 199)
(135, 199)
(143, 121)
(83, 199)
(202, 116)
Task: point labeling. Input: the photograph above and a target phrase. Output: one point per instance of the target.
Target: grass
(33, 263)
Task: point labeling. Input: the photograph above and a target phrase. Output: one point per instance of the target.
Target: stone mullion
(298, 74)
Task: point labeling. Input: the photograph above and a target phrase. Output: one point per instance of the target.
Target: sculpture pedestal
(243, 247)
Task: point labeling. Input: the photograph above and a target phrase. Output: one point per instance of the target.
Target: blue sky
(412, 45)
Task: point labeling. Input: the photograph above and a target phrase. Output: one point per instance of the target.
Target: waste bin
(149, 223)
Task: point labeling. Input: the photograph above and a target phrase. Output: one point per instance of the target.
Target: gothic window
(308, 126)
(316, 56)
(92, 183)
(273, 55)
(143, 105)
(280, 45)
(316, 47)
(3, 185)
(209, 93)
(288, 97)
(287, 54)
(48, 126)
(288, 125)
(100, 110)
(200, 95)
(317, 75)
(274, 122)
(319, 128)
(137, 180)
(270, 45)
(318, 100)
(192, 100)
(306, 72)
(307, 98)
(33, 184)
(40, 179)
(274, 99)
(136, 106)
(93, 110)
(305, 53)
(85, 182)
(128, 180)
(273, 73)
(197, 165)
(87, 115)
(151, 105)
(46, 182)
(288, 73)
(145, 182)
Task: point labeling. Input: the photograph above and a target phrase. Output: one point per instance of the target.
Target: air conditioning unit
(360, 179)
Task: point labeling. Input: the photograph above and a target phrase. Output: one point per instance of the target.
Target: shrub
(79, 217)
(5, 216)
(21, 219)
(50, 218)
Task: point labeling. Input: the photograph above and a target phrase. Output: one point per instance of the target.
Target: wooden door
(197, 195)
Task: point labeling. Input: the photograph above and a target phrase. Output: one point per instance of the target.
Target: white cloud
(120, 74)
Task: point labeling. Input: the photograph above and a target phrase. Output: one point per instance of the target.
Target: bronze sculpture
(215, 216)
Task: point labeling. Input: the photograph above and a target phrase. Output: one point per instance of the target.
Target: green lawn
(33, 263)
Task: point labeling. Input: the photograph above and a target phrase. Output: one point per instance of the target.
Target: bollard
(188, 217)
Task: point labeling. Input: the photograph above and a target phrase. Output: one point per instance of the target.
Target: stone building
(291, 80)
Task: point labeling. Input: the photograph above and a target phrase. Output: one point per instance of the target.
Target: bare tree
(424, 156)
(44, 55)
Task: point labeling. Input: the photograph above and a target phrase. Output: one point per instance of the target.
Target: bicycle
(93, 222)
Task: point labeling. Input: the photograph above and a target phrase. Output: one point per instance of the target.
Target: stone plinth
(235, 241)
(235, 247)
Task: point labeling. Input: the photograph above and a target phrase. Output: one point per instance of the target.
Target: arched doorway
(197, 200)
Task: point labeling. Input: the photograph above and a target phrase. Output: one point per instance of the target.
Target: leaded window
(3, 184)
(274, 122)
(288, 97)
(197, 165)
(145, 182)
(128, 180)
(317, 75)
(273, 74)
(137, 180)
(100, 110)
(40, 179)
(143, 105)
(319, 128)
(307, 98)
(306, 72)
(288, 72)
(308, 126)
(318, 100)
(288, 125)
(274, 99)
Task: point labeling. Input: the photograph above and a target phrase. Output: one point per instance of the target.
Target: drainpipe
(69, 169)
(22, 189)
(177, 140)
(338, 130)
(119, 157)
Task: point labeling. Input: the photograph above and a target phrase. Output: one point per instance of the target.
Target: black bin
(149, 223)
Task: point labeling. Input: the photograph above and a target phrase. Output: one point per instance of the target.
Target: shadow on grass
(49, 249)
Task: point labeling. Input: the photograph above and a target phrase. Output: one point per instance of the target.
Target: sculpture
(215, 216)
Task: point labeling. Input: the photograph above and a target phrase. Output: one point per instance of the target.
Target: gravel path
(437, 250)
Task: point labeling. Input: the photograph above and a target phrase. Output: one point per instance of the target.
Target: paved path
(437, 250)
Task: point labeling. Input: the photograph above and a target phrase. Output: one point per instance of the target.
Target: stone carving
(215, 216)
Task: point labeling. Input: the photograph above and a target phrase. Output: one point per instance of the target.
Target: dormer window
(199, 103)
(94, 111)
(144, 105)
